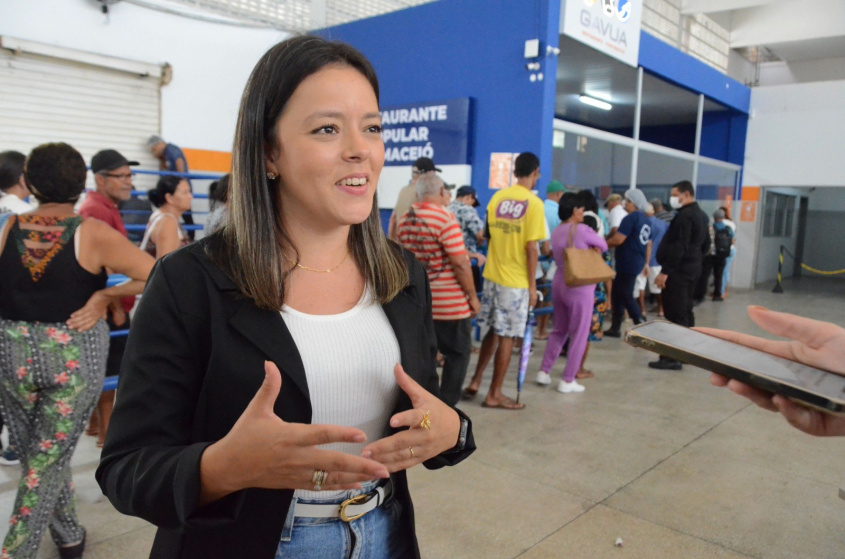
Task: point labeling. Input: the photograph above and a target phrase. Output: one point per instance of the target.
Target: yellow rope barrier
(808, 268)
(822, 272)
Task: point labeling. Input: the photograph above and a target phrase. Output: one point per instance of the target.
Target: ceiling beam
(784, 22)
(692, 7)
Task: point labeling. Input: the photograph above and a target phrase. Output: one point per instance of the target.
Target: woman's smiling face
(329, 151)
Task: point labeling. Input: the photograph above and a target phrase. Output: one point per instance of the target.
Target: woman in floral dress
(54, 341)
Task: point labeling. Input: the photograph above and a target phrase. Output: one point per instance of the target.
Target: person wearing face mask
(681, 254)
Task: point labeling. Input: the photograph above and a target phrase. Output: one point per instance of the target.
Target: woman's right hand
(263, 451)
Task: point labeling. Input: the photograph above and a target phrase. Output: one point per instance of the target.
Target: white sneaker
(544, 378)
(567, 387)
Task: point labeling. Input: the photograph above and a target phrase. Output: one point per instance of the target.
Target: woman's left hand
(87, 317)
(416, 444)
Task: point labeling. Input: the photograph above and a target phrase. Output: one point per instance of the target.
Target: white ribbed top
(348, 359)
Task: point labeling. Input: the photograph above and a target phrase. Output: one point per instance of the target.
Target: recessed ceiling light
(599, 104)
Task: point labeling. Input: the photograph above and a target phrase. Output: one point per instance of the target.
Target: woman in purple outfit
(573, 306)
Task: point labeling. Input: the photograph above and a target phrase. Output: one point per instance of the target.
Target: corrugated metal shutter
(45, 99)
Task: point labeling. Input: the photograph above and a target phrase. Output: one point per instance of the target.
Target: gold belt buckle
(357, 500)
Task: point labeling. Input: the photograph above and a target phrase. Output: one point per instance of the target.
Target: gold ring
(411, 449)
(426, 420)
(319, 478)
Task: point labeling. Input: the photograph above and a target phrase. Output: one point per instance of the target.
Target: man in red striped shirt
(431, 232)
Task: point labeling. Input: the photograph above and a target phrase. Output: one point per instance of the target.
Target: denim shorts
(376, 535)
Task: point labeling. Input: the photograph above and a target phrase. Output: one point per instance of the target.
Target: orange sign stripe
(207, 160)
(750, 193)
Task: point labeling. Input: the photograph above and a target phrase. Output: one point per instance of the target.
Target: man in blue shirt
(633, 242)
(171, 158)
(652, 270)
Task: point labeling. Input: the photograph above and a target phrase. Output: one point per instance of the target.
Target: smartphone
(803, 384)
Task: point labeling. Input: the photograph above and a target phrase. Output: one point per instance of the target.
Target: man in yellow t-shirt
(515, 223)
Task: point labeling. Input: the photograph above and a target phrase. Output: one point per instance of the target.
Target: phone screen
(759, 363)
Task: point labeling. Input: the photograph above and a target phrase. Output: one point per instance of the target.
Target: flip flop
(505, 404)
(585, 373)
(541, 337)
(468, 394)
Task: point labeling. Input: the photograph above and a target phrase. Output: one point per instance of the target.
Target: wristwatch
(462, 437)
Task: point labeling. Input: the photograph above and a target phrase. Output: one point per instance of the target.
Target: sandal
(504, 404)
(73, 551)
(584, 373)
(468, 393)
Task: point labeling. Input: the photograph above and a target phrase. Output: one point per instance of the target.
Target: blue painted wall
(723, 133)
(669, 63)
(469, 48)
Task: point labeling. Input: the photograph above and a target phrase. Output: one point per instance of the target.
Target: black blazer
(682, 250)
(193, 362)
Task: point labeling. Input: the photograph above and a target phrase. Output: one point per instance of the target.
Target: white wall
(798, 71)
(793, 142)
(743, 267)
(794, 135)
(211, 62)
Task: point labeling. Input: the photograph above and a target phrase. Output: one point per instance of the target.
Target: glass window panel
(657, 172)
(715, 185)
(669, 114)
(584, 70)
(589, 163)
(779, 215)
(788, 216)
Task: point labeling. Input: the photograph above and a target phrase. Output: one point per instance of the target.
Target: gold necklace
(330, 270)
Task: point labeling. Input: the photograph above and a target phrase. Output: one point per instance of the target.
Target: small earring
(271, 175)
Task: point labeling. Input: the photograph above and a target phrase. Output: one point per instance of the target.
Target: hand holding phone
(772, 374)
(815, 343)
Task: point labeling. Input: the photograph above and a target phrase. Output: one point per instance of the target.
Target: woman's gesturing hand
(418, 443)
(263, 451)
(815, 343)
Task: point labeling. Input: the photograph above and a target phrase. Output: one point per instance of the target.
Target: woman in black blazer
(212, 437)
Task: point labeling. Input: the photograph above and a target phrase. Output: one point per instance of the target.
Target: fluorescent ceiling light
(603, 105)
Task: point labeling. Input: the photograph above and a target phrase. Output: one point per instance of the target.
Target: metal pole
(635, 154)
(778, 287)
(698, 123)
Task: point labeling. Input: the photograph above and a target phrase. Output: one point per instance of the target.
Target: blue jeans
(376, 535)
(726, 275)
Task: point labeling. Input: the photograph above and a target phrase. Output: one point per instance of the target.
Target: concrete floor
(662, 460)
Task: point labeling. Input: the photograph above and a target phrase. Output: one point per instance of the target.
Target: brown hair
(254, 240)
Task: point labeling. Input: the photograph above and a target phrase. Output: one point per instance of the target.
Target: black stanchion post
(778, 287)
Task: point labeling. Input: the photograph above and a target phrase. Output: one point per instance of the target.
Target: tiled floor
(662, 460)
